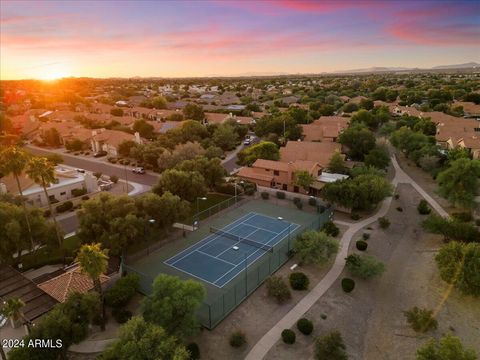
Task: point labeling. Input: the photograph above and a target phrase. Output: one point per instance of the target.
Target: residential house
(67, 180)
(220, 118)
(109, 140)
(327, 128)
(318, 152)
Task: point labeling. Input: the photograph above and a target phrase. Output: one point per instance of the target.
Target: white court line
(238, 242)
(214, 257)
(215, 236)
(248, 258)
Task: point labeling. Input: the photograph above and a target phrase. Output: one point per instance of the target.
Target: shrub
(265, 195)
(423, 208)
(46, 213)
(278, 289)
(348, 285)
(299, 205)
(226, 188)
(355, 216)
(312, 201)
(280, 195)
(399, 208)
(330, 347)
(463, 216)
(330, 229)
(299, 281)
(364, 266)
(365, 236)
(67, 205)
(97, 174)
(396, 196)
(79, 192)
(121, 315)
(297, 200)
(122, 291)
(421, 320)
(361, 245)
(383, 222)
(114, 178)
(288, 336)
(323, 316)
(86, 197)
(193, 350)
(305, 326)
(237, 339)
(249, 188)
(321, 209)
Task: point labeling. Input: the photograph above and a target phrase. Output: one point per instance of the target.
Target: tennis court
(226, 252)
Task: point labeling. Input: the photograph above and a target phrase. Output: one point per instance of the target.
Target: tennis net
(241, 239)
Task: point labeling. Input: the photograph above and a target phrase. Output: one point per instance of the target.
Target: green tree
(211, 169)
(12, 308)
(378, 157)
(452, 229)
(14, 160)
(330, 347)
(303, 179)
(364, 266)
(359, 141)
(337, 163)
(51, 137)
(145, 129)
(313, 247)
(93, 262)
(193, 112)
(165, 210)
(140, 340)
(159, 102)
(225, 137)
(365, 117)
(125, 147)
(188, 185)
(458, 265)
(280, 124)
(421, 320)
(42, 172)
(448, 348)
(173, 304)
(459, 183)
(263, 150)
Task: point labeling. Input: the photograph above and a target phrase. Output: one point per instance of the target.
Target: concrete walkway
(262, 347)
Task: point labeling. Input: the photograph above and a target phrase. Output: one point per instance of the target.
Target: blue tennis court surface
(217, 259)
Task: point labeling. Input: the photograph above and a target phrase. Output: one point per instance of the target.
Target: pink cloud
(430, 34)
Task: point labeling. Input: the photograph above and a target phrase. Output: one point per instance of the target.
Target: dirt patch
(370, 318)
(255, 316)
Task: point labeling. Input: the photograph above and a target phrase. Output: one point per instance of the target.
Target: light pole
(235, 187)
(288, 223)
(199, 198)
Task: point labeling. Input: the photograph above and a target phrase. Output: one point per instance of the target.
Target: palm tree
(12, 308)
(93, 262)
(13, 160)
(42, 171)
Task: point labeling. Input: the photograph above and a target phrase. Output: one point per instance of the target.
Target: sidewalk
(262, 347)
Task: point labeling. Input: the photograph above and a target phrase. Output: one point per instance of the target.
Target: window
(62, 193)
(295, 189)
(284, 186)
(276, 172)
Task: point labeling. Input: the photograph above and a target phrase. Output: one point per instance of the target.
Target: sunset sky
(48, 39)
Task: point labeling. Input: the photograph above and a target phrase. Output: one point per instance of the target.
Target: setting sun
(53, 72)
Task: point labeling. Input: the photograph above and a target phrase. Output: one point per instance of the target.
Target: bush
(249, 188)
(67, 205)
(330, 229)
(288, 336)
(265, 195)
(396, 196)
(114, 178)
(121, 315)
(226, 188)
(86, 197)
(280, 195)
(399, 208)
(297, 200)
(237, 339)
(421, 320)
(278, 289)
(193, 350)
(299, 281)
(348, 285)
(312, 201)
(423, 208)
(364, 266)
(361, 245)
(299, 205)
(122, 291)
(365, 236)
(46, 213)
(330, 347)
(305, 326)
(78, 192)
(463, 216)
(383, 222)
(97, 174)
(321, 209)
(355, 216)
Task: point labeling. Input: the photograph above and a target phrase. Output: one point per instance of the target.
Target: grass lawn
(48, 255)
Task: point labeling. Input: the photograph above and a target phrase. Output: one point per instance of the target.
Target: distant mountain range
(469, 65)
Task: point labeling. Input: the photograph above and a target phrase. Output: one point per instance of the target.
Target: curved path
(262, 347)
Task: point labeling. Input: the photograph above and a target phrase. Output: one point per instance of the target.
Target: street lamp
(199, 198)
(235, 187)
(282, 219)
